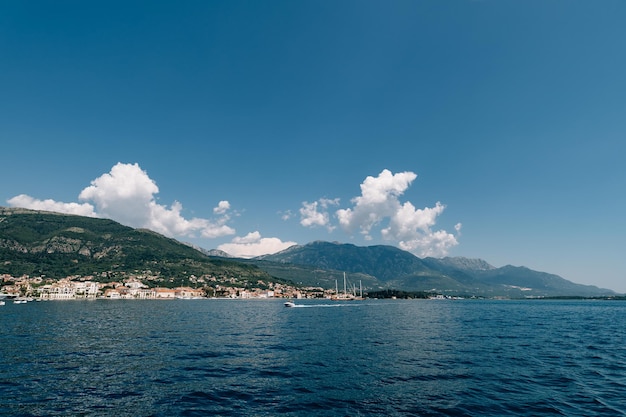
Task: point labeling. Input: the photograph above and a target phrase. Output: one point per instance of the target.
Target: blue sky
(487, 129)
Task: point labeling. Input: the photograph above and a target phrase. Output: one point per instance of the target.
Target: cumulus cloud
(378, 200)
(253, 245)
(316, 213)
(26, 201)
(222, 207)
(126, 194)
(411, 228)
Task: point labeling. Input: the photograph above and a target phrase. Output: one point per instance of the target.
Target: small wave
(202, 355)
(123, 394)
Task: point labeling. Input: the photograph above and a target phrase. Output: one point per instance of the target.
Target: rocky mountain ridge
(390, 267)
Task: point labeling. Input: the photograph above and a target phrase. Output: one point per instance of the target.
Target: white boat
(290, 304)
(19, 301)
(2, 303)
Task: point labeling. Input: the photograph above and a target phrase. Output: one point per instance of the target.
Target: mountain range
(383, 267)
(39, 243)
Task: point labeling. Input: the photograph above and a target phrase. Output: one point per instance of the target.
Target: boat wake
(324, 305)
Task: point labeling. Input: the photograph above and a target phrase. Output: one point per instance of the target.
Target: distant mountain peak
(210, 252)
(217, 252)
(282, 252)
(471, 264)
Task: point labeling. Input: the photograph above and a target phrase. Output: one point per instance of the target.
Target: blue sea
(322, 358)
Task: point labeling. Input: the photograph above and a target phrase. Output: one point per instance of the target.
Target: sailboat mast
(344, 284)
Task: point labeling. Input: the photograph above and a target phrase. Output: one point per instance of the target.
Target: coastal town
(134, 288)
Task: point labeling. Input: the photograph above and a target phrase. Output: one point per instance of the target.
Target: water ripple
(251, 358)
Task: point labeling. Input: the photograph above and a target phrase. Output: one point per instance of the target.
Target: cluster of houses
(67, 290)
(72, 288)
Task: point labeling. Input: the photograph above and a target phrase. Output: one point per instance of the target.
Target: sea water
(321, 358)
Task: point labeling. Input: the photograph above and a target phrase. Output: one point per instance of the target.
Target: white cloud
(29, 202)
(406, 220)
(127, 195)
(285, 215)
(327, 202)
(378, 200)
(253, 245)
(410, 227)
(310, 216)
(222, 207)
(436, 244)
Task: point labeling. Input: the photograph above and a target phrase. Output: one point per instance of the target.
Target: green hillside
(55, 246)
(313, 276)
